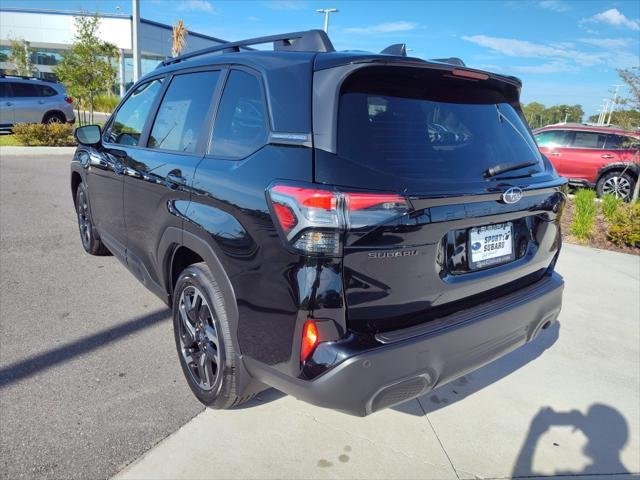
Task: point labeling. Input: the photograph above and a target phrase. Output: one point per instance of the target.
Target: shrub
(585, 214)
(41, 134)
(625, 225)
(610, 204)
(106, 103)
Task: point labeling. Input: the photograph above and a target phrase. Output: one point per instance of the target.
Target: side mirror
(88, 135)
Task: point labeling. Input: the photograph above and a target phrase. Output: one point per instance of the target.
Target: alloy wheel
(84, 220)
(199, 344)
(618, 186)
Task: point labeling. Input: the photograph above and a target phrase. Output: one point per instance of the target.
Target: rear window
(443, 129)
(589, 140)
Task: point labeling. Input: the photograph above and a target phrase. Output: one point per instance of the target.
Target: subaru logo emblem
(512, 195)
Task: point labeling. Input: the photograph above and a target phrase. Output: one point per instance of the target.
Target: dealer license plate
(491, 245)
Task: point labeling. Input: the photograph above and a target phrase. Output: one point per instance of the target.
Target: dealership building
(50, 32)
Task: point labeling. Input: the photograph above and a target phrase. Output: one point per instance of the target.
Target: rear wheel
(54, 117)
(88, 234)
(203, 338)
(616, 183)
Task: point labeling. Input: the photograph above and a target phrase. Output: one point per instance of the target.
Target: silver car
(29, 100)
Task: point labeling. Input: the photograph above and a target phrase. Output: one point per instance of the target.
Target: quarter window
(241, 122)
(132, 115)
(183, 112)
(46, 91)
(589, 140)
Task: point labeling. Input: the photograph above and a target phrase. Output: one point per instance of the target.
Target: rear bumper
(413, 361)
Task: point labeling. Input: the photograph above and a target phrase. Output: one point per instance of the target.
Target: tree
(628, 118)
(533, 113)
(631, 78)
(86, 68)
(178, 38)
(538, 115)
(21, 57)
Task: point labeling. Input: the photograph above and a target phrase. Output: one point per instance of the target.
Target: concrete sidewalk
(566, 404)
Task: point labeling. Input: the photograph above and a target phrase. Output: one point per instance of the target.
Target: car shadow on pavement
(469, 384)
(266, 396)
(604, 427)
(28, 367)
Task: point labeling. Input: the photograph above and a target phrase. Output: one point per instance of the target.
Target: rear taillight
(310, 339)
(312, 220)
(68, 99)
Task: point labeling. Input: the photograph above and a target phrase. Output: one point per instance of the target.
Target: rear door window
(183, 111)
(588, 140)
(126, 127)
(241, 122)
(553, 138)
(5, 91)
(21, 89)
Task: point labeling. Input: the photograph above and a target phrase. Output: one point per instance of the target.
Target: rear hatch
(447, 140)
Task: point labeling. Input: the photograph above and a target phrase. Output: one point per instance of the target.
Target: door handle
(606, 155)
(8, 104)
(40, 102)
(555, 154)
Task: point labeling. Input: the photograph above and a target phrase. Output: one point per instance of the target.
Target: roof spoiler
(398, 49)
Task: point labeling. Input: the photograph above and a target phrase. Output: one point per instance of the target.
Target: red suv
(602, 157)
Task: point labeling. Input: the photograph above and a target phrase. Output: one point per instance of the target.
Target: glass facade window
(148, 63)
(39, 56)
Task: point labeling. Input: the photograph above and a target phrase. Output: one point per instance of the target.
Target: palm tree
(178, 38)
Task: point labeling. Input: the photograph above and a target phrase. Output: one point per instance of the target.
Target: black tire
(199, 351)
(54, 117)
(88, 234)
(616, 183)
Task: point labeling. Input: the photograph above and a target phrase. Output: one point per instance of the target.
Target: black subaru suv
(353, 229)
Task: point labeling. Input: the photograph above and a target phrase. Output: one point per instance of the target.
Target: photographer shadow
(604, 427)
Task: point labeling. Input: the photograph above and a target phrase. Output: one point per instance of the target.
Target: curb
(26, 151)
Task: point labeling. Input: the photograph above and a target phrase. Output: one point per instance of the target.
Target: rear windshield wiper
(506, 167)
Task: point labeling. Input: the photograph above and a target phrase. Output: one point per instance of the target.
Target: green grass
(610, 205)
(8, 141)
(585, 214)
(105, 103)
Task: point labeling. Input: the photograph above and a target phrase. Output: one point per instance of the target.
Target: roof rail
(451, 61)
(307, 41)
(27, 77)
(399, 49)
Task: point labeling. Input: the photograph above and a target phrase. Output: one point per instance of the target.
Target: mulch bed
(599, 237)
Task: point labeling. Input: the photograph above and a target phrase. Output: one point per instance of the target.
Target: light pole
(327, 12)
(615, 101)
(135, 11)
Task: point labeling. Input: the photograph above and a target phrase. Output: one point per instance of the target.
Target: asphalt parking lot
(89, 379)
(88, 372)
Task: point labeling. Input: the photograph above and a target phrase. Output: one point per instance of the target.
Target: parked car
(603, 158)
(30, 100)
(322, 222)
